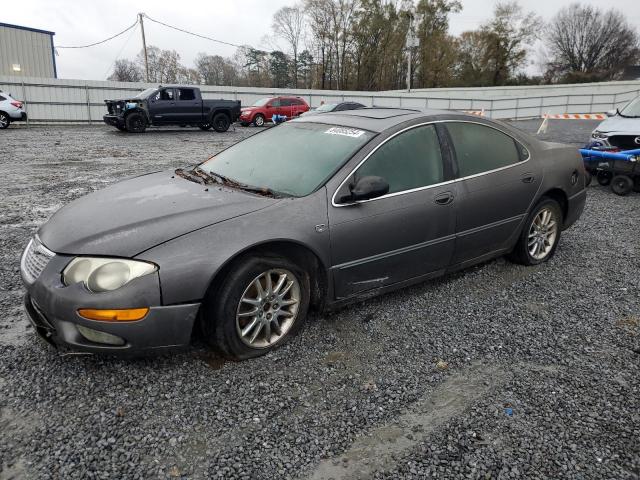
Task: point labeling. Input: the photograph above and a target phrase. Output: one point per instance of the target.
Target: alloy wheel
(4, 121)
(259, 121)
(542, 234)
(268, 308)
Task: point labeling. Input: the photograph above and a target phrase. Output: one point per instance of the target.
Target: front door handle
(444, 198)
(528, 178)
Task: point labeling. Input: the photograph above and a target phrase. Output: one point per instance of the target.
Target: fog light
(125, 315)
(100, 337)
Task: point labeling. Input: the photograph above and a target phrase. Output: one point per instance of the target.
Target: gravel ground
(500, 371)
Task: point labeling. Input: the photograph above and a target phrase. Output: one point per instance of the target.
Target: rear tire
(258, 120)
(237, 327)
(540, 235)
(221, 122)
(621, 185)
(5, 121)
(135, 123)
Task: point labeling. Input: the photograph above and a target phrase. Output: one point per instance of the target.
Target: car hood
(134, 215)
(618, 124)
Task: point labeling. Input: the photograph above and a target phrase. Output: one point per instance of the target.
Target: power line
(106, 39)
(204, 36)
(126, 42)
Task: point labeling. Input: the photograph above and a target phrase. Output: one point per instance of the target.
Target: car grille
(35, 258)
(625, 142)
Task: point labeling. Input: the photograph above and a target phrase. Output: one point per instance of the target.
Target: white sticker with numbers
(347, 132)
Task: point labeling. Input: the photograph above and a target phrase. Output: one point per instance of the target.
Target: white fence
(58, 100)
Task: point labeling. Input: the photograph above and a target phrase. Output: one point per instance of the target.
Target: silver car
(621, 129)
(315, 213)
(10, 110)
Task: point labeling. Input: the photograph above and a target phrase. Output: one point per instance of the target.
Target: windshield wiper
(209, 177)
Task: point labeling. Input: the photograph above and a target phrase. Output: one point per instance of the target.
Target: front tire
(258, 120)
(5, 121)
(135, 123)
(621, 185)
(541, 233)
(221, 122)
(260, 304)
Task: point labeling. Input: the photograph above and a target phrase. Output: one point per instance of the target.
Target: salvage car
(264, 109)
(622, 129)
(11, 110)
(315, 213)
(171, 105)
(334, 107)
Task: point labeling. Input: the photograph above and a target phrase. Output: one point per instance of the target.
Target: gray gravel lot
(501, 371)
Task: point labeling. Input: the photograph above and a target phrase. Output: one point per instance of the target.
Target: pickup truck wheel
(135, 123)
(204, 126)
(4, 120)
(221, 122)
(258, 120)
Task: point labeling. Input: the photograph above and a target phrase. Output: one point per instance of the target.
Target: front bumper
(52, 308)
(113, 120)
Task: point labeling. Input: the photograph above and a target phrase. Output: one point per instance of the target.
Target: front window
(632, 109)
(407, 161)
(261, 103)
(292, 159)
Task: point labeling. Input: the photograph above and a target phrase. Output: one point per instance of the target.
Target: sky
(79, 22)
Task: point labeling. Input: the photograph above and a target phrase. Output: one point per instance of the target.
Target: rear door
(405, 234)
(188, 106)
(162, 106)
(273, 108)
(498, 182)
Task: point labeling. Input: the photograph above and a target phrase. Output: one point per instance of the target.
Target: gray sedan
(315, 213)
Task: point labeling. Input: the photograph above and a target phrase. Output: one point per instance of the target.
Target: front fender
(188, 264)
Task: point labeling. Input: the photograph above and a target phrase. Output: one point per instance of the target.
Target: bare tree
(164, 65)
(288, 24)
(586, 42)
(126, 71)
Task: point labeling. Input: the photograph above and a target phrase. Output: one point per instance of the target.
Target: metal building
(26, 52)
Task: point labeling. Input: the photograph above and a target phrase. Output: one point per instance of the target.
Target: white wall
(58, 100)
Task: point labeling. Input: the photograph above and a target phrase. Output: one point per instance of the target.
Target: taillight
(17, 104)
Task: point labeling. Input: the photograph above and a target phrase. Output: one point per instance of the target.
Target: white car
(10, 110)
(621, 129)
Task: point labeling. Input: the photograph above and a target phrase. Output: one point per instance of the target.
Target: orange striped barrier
(576, 116)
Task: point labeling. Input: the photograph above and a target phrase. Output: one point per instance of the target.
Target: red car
(264, 109)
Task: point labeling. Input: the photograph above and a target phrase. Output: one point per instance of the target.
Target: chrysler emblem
(637, 140)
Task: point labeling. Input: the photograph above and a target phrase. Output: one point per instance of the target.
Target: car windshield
(632, 109)
(327, 107)
(145, 93)
(292, 159)
(260, 103)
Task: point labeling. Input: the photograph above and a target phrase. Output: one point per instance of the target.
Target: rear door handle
(444, 198)
(528, 178)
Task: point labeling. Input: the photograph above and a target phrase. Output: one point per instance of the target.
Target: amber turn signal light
(124, 315)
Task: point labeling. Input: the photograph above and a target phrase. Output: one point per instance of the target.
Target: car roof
(378, 119)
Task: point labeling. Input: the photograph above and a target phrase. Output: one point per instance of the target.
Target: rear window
(480, 148)
(186, 94)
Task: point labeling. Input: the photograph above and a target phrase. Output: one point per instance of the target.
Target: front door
(162, 106)
(497, 186)
(404, 234)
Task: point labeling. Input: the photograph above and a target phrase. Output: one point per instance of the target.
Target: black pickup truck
(171, 105)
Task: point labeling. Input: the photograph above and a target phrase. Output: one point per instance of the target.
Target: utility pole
(411, 42)
(144, 46)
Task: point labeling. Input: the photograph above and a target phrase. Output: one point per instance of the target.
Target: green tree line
(371, 44)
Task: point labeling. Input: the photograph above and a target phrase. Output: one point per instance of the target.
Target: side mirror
(367, 188)
(612, 113)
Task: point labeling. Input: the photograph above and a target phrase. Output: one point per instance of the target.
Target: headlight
(598, 134)
(104, 274)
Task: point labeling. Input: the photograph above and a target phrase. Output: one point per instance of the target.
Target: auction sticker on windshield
(347, 132)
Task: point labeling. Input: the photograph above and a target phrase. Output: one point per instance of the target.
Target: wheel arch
(293, 250)
(561, 197)
(215, 111)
